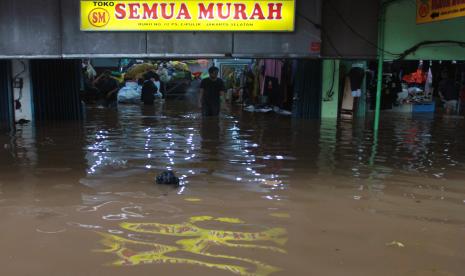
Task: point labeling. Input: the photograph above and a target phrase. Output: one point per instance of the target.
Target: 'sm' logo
(99, 17)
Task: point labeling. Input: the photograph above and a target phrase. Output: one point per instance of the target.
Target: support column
(22, 90)
(6, 98)
(381, 30)
(330, 99)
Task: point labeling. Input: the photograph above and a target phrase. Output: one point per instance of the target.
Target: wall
(105, 62)
(77, 43)
(24, 31)
(402, 32)
(296, 44)
(21, 70)
(329, 106)
(50, 28)
(339, 16)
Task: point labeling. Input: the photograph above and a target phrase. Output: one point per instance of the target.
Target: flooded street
(261, 194)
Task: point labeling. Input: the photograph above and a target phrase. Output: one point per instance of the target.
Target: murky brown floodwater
(262, 195)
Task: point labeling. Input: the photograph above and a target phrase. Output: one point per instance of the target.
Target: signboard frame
(290, 29)
(428, 11)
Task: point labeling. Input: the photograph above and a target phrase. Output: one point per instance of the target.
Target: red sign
(315, 47)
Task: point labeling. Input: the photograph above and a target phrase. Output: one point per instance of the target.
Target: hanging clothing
(273, 68)
(248, 86)
(261, 81)
(286, 84)
(429, 83)
(272, 91)
(270, 68)
(417, 77)
(256, 81)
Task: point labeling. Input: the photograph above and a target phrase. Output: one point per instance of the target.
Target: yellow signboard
(188, 15)
(436, 10)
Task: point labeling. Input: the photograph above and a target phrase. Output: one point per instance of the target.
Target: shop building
(52, 37)
(420, 44)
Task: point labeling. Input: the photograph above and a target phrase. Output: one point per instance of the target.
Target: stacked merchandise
(416, 88)
(173, 71)
(404, 92)
(137, 71)
(168, 71)
(130, 93)
(199, 67)
(175, 78)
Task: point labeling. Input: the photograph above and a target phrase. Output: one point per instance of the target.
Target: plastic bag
(129, 93)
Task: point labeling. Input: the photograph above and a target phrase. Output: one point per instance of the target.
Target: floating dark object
(167, 178)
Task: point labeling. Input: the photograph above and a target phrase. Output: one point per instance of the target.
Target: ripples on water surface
(260, 195)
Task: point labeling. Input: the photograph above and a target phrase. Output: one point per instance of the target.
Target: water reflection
(210, 138)
(65, 181)
(8, 152)
(187, 144)
(242, 148)
(42, 163)
(140, 245)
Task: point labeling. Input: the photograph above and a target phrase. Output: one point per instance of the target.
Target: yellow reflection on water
(195, 240)
(193, 199)
(280, 215)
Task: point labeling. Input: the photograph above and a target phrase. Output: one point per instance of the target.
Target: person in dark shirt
(211, 91)
(449, 92)
(462, 99)
(149, 89)
(108, 89)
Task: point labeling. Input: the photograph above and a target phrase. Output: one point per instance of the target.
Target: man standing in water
(211, 93)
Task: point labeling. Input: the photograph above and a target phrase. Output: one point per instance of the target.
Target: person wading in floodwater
(108, 90)
(211, 93)
(149, 88)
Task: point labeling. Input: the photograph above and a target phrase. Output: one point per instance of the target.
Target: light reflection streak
(181, 190)
(85, 226)
(126, 214)
(51, 232)
(86, 209)
(174, 148)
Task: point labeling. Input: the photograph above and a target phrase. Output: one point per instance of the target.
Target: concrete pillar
(330, 99)
(22, 94)
(6, 96)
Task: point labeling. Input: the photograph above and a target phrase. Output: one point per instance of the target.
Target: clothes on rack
(272, 91)
(270, 68)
